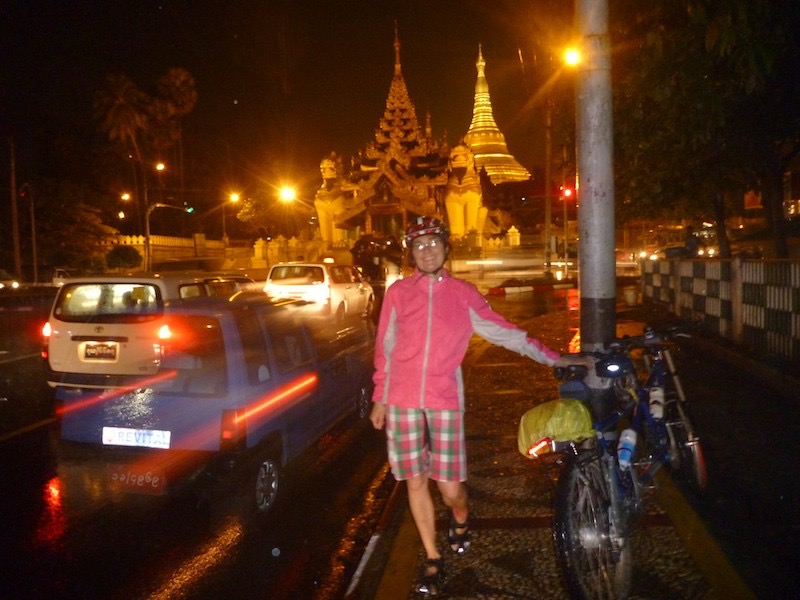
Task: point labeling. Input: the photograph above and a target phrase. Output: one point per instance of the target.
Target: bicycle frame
(597, 499)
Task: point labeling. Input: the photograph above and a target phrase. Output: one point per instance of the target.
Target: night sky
(281, 83)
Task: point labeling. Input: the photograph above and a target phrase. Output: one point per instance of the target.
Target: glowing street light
(287, 193)
(572, 57)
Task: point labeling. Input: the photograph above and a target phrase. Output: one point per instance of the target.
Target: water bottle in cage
(626, 448)
(656, 401)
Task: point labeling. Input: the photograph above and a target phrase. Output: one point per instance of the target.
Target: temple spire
(399, 121)
(396, 50)
(484, 137)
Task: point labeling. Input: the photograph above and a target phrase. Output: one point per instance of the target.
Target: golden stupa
(485, 139)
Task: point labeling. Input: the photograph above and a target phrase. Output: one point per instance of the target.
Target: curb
(522, 286)
(367, 577)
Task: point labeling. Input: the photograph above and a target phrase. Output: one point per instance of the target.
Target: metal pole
(146, 230)
(27, 187)
(14, 211)
(33, 242)
(564, 200)
(566, 246)
(594, 128)
(547, 200)
(224, 231)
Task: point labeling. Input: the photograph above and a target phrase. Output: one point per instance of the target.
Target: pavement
(512, 554)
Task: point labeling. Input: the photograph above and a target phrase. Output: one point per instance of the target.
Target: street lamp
(572, 57)
(287, 193)
(566, 194)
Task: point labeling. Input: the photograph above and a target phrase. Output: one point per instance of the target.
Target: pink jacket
(423, 333)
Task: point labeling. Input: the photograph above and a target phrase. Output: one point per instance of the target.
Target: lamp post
(547, 205)
(27, 192)
(234, 198)
(566, 194)
(159, 167)
(148, 262)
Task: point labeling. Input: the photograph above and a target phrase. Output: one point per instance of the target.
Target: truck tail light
(47, 329)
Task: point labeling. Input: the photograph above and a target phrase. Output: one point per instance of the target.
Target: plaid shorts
(426, 442)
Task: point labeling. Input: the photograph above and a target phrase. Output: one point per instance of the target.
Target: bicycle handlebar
(579, 364)
(651, 338)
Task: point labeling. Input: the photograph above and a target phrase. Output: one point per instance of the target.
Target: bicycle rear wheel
(595, 558)
(687, 461)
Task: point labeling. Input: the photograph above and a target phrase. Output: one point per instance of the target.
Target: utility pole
(14, 211)
(548, 206)
(594, 128)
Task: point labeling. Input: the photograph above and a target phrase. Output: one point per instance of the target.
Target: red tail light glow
(540, 447)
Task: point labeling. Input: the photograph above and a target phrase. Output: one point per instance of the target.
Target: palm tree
(177, 97)
(122, 110)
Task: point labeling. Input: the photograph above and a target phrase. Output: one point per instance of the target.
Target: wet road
(66, 536)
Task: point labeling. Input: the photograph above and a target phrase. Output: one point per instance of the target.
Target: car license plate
(100, 351)
(141, 438)
(136, 479)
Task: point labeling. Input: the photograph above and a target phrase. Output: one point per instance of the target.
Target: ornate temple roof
(485, 139)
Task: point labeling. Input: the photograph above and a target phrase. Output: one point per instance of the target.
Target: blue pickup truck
(242, 389)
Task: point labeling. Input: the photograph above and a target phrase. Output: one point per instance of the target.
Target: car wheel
(369, 308)
(340, 313)
(266, 484)
(364, 400)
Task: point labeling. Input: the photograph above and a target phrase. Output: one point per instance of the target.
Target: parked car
(330, 291)
(7, 280)
(60, 276)
(241, 390)
(103, 331)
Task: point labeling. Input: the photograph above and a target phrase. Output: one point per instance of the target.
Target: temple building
(405, 172)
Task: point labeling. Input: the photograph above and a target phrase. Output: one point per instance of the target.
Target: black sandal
(459, 542)
(430, 583)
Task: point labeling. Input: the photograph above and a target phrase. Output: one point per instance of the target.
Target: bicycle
(600, 489)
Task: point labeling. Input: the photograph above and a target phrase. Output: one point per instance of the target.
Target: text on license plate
(138, 480)
(100, 351)
(142, 438)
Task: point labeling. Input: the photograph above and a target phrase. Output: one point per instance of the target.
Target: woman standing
(425, 326)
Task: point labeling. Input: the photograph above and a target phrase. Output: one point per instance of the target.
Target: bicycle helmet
(425, 226)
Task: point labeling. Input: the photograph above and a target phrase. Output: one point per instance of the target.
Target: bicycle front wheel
(687, 461)
(595, 556)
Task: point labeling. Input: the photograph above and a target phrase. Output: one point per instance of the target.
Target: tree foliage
(146, 126)
(707, 104)
(69, 229)
(123, 257)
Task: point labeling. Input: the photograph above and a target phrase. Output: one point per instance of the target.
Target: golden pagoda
(485, 139)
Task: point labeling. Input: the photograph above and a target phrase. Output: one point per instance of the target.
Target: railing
(754, 303)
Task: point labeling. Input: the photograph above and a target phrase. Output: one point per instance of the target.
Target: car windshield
(108, 302)
(297, 275)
